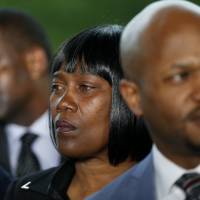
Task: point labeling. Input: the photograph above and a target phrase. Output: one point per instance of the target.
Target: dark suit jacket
(4, 154)
(5, 180)
(49, 184)
(135, 184)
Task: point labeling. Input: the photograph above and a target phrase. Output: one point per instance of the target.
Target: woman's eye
(56, 87)
(86, 88)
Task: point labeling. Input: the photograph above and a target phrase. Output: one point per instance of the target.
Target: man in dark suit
(24, 93)
(5, 180)
(161, 59)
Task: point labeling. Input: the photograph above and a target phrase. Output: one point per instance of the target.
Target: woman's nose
(67, 102)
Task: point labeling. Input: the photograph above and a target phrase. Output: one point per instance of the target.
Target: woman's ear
(36, 62)
(130, 93)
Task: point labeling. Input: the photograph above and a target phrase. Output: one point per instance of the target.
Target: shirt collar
(37, 127)
(15, 131)
(40, 125)
(167, 172)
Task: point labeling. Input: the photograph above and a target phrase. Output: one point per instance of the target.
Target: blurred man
(25, 144)
(161, 59)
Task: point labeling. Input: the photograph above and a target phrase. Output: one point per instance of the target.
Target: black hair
(22, 31)
(96, 51)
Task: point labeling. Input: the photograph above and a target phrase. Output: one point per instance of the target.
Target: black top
(50, 184)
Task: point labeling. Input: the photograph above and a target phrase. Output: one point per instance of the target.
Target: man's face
(170, 94)
(15, 83)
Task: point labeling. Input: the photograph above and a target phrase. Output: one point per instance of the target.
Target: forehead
(168, 37)
(142, 47)
(170, 21)
(9, 56)
(186, 42)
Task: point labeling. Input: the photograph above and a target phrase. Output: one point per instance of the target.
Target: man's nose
(196, 87)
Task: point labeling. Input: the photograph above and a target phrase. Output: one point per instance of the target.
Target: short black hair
(96, 51)
(22, 31)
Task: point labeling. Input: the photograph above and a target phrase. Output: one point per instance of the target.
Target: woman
(90, 123)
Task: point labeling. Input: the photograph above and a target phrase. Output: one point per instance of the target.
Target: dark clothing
(50, 184)
(4, 155)
(5, 180)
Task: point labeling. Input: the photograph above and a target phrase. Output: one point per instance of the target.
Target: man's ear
(36, 62)
(130, 93)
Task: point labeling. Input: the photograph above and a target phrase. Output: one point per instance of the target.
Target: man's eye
(179, 77)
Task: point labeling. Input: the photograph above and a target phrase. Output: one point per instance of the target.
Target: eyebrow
(185, 65)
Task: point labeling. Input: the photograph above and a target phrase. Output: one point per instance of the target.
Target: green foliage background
(64, 18)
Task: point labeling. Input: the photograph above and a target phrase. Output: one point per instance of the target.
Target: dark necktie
(27, 160)
(190, 184)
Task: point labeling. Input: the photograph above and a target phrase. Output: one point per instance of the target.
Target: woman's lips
(64, 126)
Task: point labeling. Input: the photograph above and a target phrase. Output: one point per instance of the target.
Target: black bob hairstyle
(96, 51)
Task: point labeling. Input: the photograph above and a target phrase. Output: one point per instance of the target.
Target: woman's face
(80, 106)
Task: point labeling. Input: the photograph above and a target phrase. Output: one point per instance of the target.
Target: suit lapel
(144, 173)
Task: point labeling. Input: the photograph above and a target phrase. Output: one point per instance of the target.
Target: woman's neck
(93, 175)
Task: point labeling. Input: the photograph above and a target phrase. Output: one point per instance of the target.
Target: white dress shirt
(166, 174)
(42, 146)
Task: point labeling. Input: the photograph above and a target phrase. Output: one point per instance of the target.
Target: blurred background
(64, 18)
